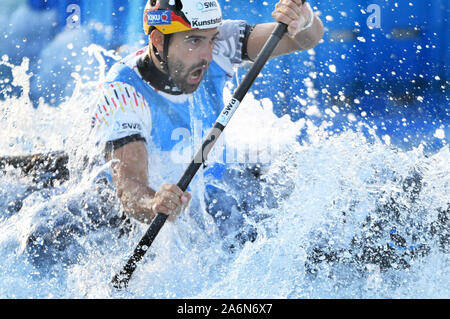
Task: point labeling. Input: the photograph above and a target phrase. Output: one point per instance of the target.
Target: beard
(180, 74)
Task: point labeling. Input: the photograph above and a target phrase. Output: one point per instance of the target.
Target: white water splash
(315, 183)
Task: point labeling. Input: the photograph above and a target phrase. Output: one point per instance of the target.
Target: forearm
(309, 38)
(129, 165)
(304, 40)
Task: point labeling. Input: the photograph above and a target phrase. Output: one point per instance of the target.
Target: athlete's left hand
(294, 14)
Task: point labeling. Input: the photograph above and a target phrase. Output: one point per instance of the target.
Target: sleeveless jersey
(171, 125)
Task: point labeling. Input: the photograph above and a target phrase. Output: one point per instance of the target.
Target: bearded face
(187, 77)
(189, 55)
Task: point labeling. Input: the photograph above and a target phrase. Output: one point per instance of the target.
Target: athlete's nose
(207, 53)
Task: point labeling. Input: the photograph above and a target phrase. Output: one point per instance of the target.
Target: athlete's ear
(157, 39)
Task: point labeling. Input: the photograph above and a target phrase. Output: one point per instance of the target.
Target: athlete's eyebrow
(198, 36)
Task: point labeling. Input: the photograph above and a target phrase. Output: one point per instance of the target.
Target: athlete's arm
(122, 118)
(130, 176)
(296, 16)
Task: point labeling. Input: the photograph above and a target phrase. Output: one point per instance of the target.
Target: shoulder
(125, 69)
(120, 90)
(119, 101)
(124, 83)
(231, 29)
(229, 44)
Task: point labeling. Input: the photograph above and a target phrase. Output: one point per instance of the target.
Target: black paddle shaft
(121, 279)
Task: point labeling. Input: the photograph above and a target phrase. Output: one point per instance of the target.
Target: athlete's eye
(195, 41)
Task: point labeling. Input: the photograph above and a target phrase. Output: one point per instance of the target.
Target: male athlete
(175, 82)
(174, 85)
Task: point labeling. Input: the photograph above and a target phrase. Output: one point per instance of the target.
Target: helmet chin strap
(163, 60)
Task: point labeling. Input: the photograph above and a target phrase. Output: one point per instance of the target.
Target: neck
(154, 74)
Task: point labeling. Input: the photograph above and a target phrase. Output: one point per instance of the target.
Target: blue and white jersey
(171, 125)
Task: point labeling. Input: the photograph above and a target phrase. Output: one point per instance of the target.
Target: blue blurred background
(395, 75)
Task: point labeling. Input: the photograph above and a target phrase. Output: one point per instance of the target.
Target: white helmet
(171, 16)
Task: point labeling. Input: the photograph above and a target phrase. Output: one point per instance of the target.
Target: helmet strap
(163, 60)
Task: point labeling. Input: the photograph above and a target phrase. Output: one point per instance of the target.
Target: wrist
(139, 203)
(310, 19)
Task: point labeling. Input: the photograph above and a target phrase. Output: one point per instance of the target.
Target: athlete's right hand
(170, 200)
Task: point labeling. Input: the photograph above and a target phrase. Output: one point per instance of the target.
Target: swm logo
(118, 126)
(205, 5)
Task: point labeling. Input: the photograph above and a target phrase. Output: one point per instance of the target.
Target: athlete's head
(182, 35)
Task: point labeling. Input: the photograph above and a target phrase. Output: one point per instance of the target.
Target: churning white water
(354, 217)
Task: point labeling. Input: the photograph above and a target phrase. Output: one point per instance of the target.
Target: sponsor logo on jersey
(118, 126)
